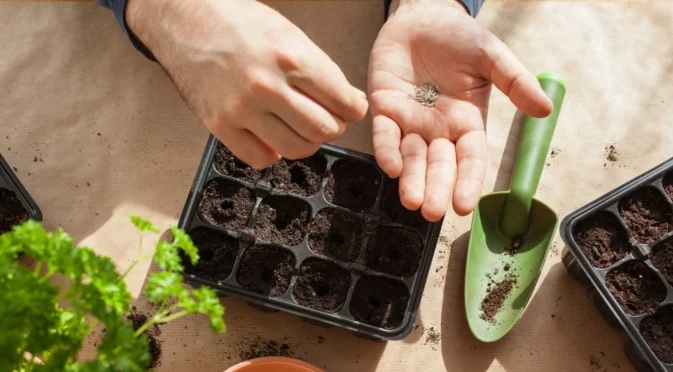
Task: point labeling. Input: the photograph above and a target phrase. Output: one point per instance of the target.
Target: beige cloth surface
(115, 138)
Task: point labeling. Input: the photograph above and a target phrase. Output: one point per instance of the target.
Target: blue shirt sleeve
(118, 7)
(472, 6)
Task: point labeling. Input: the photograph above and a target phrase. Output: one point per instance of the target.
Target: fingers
(246, 146)
(440, 178)
(306, 117)
(412, 181)
(508, 74)
(471, 158)
(326, 84)
(279, 137)
(386, 138)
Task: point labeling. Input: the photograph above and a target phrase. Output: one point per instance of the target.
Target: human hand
(432, 51)
(259, 84)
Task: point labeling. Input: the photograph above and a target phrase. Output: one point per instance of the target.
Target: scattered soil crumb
(555, 151)
(514, 246)
(433, 337)
(507, 267)
(258, 348)
(595, 362)
(321, 339)
(495, 298)
(427, 94)
(611, 153)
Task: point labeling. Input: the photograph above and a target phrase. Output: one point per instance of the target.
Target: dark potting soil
(495, 298)
(227, 163)
(647, 214)
(353, 185)
(266, 270)
(392, 208)
(282, 219)
(336, 234)
(379, 301)
(226, 204)
(321, 285)
(137, 320)
(395, 251)
(662, 258)
(636, 287)
(657, 330)
(301, 177)
(217, 254)
(602, 239)
(12, 211)
(514, 245)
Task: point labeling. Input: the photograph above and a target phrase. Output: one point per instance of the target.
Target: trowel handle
(530, 159)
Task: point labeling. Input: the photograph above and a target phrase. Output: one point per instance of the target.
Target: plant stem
(173, 316)
(38, 268)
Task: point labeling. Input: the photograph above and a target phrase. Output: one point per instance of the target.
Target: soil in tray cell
(336, 234)
(662, 258)
(226, 204)
(266, 270)
(379, 301)
(321, 285)
(300, 177)
(602, 239)
(227, 163)
(282, 219)
(392, 208)
(647, 214)
(395, 251)
(217, 254)
(12, 211)
(636, 287)
(657, 330)
(353, 185)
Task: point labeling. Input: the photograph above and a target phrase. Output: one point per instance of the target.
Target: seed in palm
(427, 94)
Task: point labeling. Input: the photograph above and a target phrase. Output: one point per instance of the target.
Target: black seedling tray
(9, 181)
(618, 244)
(393, 298)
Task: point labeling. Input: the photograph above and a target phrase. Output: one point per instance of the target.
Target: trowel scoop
(512, 232)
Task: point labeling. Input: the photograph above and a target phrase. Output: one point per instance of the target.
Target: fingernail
(362, 94)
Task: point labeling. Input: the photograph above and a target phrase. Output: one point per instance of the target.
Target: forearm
(119, 8)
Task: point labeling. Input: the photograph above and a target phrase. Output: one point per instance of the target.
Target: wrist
(396, 5)
(142, 20)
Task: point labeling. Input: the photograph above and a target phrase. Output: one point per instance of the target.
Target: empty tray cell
(217, 254)
(395, 251)
(12, 212)
(393, 209)
(301, 177)
(266, 270)
(602, 239)
(379, 301)
(226, 204)
(657, 330)
(336, 234)
(282, 219)
(353, 185)
(321, 285)
(662, 258)
(227, 163)
(636, 287)
(647, 214)
(668, 184)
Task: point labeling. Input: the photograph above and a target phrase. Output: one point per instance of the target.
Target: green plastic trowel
(511, 232)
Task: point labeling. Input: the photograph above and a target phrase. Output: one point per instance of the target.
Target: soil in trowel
(514, 246)
(495, 298)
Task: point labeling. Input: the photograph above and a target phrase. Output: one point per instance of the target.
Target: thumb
(502, 68)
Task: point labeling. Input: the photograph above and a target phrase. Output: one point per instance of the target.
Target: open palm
(437, 144)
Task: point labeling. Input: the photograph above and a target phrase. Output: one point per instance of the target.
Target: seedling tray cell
(16, 205)
(622, 245)
(325, 238)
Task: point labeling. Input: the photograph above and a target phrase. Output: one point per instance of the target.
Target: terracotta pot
(274, 364)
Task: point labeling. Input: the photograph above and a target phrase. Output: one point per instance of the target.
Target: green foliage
(34, 321)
